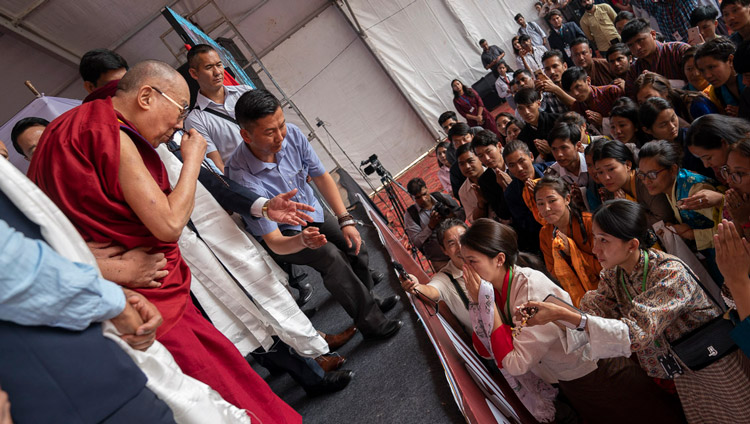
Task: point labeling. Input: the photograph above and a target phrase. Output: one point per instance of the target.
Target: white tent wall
(328, 72)
(21, 62)
(425, 44)
(322, 65)
(309, 48)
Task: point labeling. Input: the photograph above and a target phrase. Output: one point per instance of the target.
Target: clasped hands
(137, 323)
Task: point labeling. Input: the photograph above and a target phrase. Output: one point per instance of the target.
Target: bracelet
(345, 217)
(264, 210)
(339, 216)
(347, 223)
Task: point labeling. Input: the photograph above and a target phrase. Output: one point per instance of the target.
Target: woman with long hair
(597, 390)
(517, 49)
(689, 105)
(646, 300)
(566, 240)
(710, 136)
(615, 168)
(695, 80)
(659, 119)
(470, 105)
(624, 124)
(709, 139)
(659, 169)
(512, 129)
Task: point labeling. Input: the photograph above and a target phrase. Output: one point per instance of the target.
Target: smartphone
(694, 36)
(551, 298)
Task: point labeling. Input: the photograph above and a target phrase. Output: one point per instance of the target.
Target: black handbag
(710, 342)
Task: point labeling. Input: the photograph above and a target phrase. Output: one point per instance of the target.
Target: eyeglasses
(735, 177)
(183, 109)
(651, 175)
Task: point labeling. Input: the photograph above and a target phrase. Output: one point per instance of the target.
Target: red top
(77, 163)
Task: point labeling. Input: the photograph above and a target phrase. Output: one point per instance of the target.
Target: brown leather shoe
(330, 362)
(335, 341)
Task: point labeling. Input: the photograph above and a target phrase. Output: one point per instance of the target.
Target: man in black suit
(562, 34)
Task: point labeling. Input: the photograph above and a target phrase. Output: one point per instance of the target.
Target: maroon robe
(107, 90)
(77, 164)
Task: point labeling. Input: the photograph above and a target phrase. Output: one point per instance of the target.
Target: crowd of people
(123, 277)
(613, 175)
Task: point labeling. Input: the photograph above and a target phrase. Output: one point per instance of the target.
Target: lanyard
(466, 100)
(508, 282)
(643, 284)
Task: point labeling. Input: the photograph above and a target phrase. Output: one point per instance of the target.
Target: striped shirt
(600, 100)
(672, 16)
(600, 73)
(665, 62)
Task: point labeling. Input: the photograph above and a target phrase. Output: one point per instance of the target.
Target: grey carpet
(399, 380)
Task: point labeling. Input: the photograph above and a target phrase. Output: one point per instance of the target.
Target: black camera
(372, 165)
(442, 209)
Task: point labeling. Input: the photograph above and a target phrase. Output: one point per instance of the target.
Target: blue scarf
(684, 182)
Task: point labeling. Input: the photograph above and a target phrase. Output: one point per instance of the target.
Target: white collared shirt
(581, 180)
(468, 198)
(449, 294)
(221, 134)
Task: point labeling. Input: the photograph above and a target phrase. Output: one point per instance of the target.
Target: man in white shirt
(447, 284)
(470, 194)
(213, 116)
(570, 163)
(532, 59)
(531, 29)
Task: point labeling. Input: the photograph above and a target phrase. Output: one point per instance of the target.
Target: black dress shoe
(377, 277)
(389, 330)
(305, 293)
(388, 303)
(332, 382)
(295, 280)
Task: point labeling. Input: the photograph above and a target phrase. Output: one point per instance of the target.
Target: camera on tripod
(372, 165)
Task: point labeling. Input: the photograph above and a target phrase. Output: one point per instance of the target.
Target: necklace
(645, 274)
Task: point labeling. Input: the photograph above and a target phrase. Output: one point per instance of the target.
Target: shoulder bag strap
(713, 292)
(220, 115)
(458, 288)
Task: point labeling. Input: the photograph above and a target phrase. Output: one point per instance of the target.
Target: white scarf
(247, 323)
(535, 394)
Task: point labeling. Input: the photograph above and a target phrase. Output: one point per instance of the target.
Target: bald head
(155, 98)
(151, 72)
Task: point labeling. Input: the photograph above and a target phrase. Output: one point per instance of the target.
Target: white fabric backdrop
(427, 43)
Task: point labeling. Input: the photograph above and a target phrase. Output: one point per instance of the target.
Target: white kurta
(543, 349)
(248, 323)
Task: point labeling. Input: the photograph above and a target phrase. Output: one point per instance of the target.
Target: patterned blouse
(672, 305)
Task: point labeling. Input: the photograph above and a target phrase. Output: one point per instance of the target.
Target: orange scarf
(530, 201)
(577, 275)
